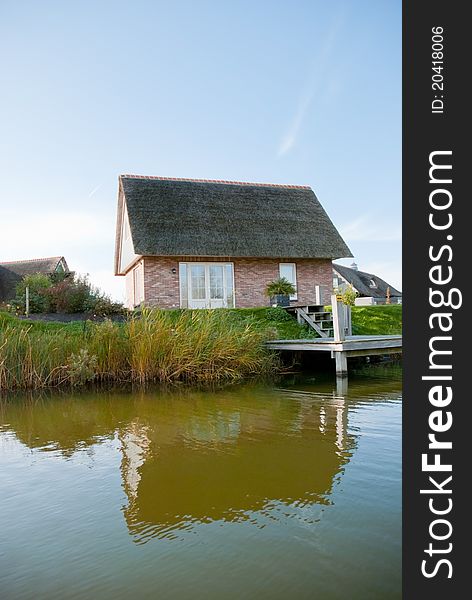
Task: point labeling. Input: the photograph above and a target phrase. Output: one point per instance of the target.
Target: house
(370, 288)
(11, 273)
(194, 243)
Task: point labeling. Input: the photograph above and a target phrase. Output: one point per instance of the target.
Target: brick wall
(161, 286)
(252, 275)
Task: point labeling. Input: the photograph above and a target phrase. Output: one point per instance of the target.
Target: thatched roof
(189, 217)
(362, 282)
(12, 272)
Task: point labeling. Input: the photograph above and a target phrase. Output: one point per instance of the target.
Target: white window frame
(295, 283)
(224, 264)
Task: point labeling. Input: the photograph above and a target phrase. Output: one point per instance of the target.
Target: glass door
(217, 288)
(206, 285)
(197, 286)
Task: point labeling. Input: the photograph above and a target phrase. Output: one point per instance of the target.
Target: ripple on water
(231, 493)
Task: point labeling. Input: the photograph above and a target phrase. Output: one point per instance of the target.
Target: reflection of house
(134, 444)
(202, 457)
(370, 288)
(198, 476)
(11, 273)
(209, 244)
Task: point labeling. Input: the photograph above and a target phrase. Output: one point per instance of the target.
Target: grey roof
(8, 281)
(12, 272)
(361, 282)
(191, 217)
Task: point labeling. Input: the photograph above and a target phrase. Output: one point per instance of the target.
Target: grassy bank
(160, 346)
(377, 320)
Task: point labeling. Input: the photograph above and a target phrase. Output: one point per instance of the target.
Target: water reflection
(229, 463)
(195, 457)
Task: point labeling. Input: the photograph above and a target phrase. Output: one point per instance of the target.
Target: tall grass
(159, 346)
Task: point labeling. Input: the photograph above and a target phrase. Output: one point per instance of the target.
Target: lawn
(377, 320)
(366, 320)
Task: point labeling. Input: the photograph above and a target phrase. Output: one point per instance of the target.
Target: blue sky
(305, 92)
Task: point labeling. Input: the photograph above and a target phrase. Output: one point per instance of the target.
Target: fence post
(27, 306)
(338, 319)
(348, 320)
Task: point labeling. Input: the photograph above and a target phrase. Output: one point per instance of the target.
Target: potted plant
(279, 292)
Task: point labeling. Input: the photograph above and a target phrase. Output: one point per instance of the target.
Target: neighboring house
(209, 244)
(370, 288)
(11, 273)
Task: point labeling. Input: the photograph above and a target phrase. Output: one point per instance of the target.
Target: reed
(157, 346)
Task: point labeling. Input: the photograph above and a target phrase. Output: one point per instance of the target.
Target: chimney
(354, 266)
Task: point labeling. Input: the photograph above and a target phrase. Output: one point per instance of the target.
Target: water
(259, 491)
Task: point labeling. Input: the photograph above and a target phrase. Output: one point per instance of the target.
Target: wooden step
(321, 315)
(308, 308)
(302, 316)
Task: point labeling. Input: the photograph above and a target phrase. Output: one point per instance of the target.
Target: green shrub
(63, 293)
(82, 367)
(105, 307)
(348, 295)
(279, 315)
(38, 285)
(71, 295)
(75, 294)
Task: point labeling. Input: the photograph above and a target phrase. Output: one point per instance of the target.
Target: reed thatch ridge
(189, 217)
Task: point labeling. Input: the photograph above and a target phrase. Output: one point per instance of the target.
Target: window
(138, 285)
(206, 285)
(372, 283)
(289, 272)
(198, 282)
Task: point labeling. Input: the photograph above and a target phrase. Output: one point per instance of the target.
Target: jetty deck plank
(353, 345)
(341, 345)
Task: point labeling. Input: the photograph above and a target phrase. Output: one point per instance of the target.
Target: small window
(335, 282)
(289, 272)
(372, 283)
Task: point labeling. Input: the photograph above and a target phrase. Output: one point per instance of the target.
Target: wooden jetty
(342, 344)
